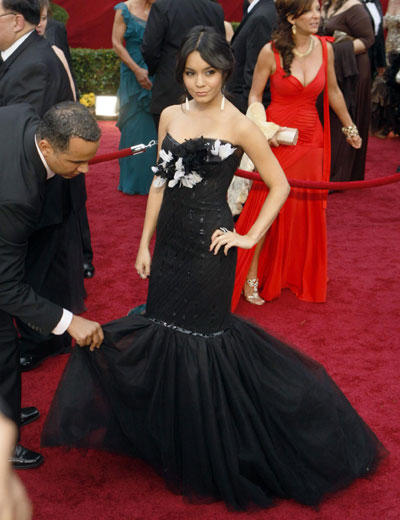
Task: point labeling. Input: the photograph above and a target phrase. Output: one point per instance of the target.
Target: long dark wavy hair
(283, 37)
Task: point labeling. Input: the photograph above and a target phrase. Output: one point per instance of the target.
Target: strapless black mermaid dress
(221, 409)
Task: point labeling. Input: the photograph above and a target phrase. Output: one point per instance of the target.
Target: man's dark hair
(30, 9)
(213, 48)
(66, 120)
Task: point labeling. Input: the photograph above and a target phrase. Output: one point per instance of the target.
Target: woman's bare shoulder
(267, 52)
(169, 113)
(242, 128)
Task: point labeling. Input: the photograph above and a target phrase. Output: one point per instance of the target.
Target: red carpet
(356, 335)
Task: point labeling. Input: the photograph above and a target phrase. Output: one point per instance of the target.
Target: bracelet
(350, 131)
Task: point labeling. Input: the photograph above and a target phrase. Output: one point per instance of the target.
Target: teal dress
(135, 121)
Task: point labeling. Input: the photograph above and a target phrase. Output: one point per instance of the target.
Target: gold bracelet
(350, 131)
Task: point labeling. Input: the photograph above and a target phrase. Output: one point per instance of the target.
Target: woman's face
(202, 81)
(41, 27)
(308, 22)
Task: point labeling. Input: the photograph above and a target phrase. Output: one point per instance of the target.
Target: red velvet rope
(254, 176)
(126, 152)
(352, 185)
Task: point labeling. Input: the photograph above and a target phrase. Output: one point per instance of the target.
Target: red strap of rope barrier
(126, 152)
(254, 176)
(350, 185)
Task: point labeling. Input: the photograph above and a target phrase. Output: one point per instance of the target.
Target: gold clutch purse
(288, 136)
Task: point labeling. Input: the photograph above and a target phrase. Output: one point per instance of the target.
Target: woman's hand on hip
(223, 238)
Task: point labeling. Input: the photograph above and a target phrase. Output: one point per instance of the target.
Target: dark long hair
(213, 48)
(282, 37)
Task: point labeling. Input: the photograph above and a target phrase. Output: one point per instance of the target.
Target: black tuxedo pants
(10, 374)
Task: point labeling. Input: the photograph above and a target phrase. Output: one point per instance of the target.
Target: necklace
(310, 48)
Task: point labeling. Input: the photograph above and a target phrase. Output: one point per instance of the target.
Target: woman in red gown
(299, 66)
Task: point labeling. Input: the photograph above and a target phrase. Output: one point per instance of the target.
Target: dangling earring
(187, 104)
(223, 99)
(294, 29)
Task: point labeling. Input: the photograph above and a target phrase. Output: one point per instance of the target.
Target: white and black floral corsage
(186, 167)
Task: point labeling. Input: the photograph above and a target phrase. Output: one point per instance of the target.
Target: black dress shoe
(30, 362)
(29, 414)
(25, 459)
(88, 270)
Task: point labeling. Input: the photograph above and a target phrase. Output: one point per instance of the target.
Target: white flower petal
(179, 175)
(159, 181)
(215, 148)
(225, 150)
(179, 164)
(185, 181)
(166, 157)
(172, 183)
(196, 177)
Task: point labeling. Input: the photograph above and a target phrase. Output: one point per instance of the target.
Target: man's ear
(20, 23)
(45, 147)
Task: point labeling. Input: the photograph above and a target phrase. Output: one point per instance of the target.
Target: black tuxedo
(23, 182)
(168, 22)
(253, 33)
(34, 74)
(377, 52)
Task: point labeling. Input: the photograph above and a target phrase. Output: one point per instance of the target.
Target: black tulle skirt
(237, 415)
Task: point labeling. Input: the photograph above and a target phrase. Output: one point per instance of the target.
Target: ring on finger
(224, 229)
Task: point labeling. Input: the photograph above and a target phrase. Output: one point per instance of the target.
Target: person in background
(41, 30)
(249, 38)
(228, 28)
(14, 501)
(385, 116)
(168, 22)
(294, 253)
(32, 73)
(349, 22)
(376, 52)
(59, 145)
(56, 34)
(228, 31)
(134, 94)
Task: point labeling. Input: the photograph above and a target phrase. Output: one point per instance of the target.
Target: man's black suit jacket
(377, 52)
(168, 22)
(253, 33)
(22, 181)
(33, 74)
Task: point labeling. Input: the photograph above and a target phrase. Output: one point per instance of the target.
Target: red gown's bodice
(294, 105)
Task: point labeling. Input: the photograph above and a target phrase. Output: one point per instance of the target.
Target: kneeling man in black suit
(33, 151)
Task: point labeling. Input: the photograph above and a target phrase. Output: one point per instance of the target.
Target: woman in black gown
(221, 409)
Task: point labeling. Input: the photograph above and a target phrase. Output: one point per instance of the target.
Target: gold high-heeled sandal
(254, 297)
